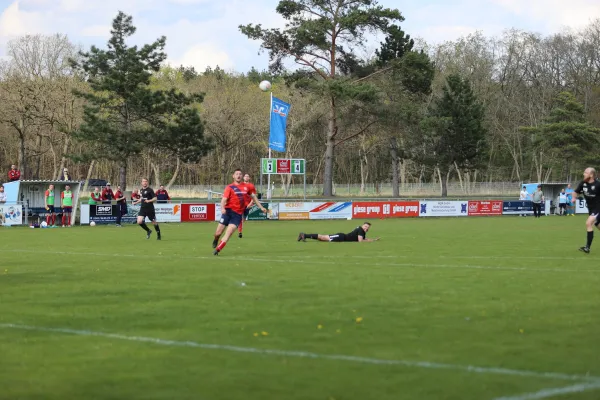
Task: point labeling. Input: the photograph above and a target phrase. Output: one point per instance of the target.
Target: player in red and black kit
(122, 203)
(14, 174)
(250, 186)
(107, 194)
(233, 205)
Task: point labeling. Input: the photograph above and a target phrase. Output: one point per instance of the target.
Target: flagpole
(269, 194)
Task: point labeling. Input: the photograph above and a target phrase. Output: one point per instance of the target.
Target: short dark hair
(367, 223)
(236, 170)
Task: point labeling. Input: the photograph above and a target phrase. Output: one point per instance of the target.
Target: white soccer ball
(44, 224)
(265, 86)
(92, 223)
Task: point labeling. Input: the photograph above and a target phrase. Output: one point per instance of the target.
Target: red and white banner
(488, 207)
(197, 212)
(385, 209)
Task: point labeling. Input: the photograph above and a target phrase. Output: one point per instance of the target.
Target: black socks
(156, 228)
(590, 237)
(145, 227)
(311, 236)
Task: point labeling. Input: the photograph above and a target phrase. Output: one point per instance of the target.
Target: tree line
(519, 107)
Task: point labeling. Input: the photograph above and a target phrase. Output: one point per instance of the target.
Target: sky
(203, 33)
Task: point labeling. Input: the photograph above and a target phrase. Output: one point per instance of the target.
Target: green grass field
(473, 308)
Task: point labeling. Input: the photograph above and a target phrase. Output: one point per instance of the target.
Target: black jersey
(591, 193)
(353, 236)
(147, 194)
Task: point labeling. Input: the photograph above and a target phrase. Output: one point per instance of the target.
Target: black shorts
(596, 214)
(562, 205)
(338, 237)
(148, 213)
(51, 209)
(230, 218)
(67, 210)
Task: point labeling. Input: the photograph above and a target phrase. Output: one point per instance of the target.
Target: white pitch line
(446, 257)
(305, 354)
(300, 260)
(545, 393)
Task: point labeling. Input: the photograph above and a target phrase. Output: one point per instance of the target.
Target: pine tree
(124, 116)
(454, 132)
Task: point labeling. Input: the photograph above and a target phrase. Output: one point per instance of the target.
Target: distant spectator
(65, 176)
(562, 202)
(2, 195)
(107, 194)
(162, 195)
(14, 174)
(66, 200)
(95, 197)
(570, 202)
(49, 204)
(523, 196)
(122, 203)
(135, 195)
(538, 198)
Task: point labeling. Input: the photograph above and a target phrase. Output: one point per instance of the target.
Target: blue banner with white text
(279, 113)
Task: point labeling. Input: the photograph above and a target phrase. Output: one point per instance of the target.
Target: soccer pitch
(464, 308)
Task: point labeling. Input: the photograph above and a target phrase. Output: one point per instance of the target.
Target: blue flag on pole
(279, 113)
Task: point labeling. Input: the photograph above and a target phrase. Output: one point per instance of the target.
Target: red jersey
(118, 195)
(135, 196)
(14, 175)
(235, 195)
(107, 194)
(249, 190)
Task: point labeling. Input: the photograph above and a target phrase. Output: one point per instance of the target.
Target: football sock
(64, 218)
(156, 228)
(54, 219)
(311, 236)
(145, 227)
(590, 237)
(221, 245)
(240, 226)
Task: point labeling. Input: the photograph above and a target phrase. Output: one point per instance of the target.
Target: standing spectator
(66, 199)
(135, 196)
(95, 197)
(107, 194)
(49, 204)
(562, 202)
(162, 195)
(122, 203)
(570, 202)
(65, 176)
(2, 195)
(523, 196)
(538, 198)
(14, 174)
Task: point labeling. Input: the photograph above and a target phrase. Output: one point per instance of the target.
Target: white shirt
(2, 197)
(523, 195)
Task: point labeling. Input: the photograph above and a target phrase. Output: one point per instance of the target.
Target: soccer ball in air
(265, 86)
(44, 224)
(92, 223)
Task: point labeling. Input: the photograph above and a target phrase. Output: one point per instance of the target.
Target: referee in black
(147, 200)
(590, 189)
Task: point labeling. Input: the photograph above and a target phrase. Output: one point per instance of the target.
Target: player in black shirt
(357, 235)
(147, 199)
(590, 188)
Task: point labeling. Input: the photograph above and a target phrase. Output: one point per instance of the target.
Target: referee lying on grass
(357, 235)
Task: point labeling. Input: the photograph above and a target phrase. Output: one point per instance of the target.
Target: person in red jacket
(122, 203)
(162, 195)
(135, 195)
(107, 194)
(14, 174)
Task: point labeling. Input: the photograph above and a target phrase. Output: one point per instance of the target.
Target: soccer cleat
(216, 252)
(585, 249)
(301, 237)
(118, 226)
(240, 235)
(215, 243)
(148, 234)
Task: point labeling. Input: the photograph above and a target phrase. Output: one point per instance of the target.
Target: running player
(357, 235)
(590, 188)
(49, 203)
(248, 200)
(233, 205)
(66, 199)
(148, 198)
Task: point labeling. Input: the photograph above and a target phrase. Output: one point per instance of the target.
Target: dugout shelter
(551, 191)
(30, 194)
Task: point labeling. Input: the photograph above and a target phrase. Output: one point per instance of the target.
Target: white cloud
(16, 22)
(102, 31)
(203, 55)
(555, 13)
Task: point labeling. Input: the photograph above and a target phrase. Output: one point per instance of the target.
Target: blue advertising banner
(519, 207)
(279, 114)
